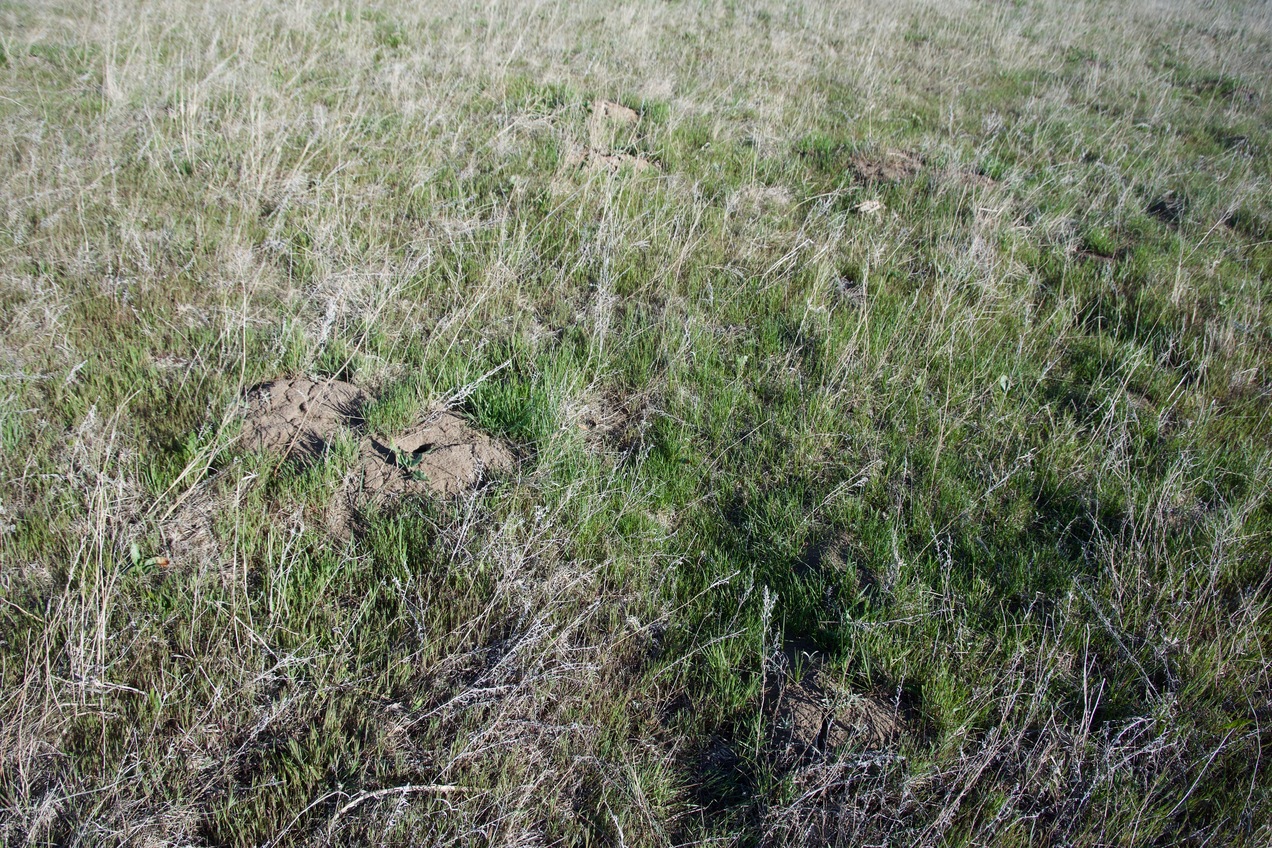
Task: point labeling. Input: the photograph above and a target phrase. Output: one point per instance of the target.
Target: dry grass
(993, 459)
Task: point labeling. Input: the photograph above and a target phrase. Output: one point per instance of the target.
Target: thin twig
(408, 789)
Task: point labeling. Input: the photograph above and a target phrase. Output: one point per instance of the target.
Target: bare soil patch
(755, 200)
(968, 177)
(614, 162)
(604, 111)
(608, 421)
(976, 179)
(444, 454)
(596, 160)
(440, 456)
(605, 126)
(891, 166)
(189, 534)
(298, 417)
(1169, 208)
(812, 717)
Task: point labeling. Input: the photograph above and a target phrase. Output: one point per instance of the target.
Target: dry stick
(459, 395)
(408, 789)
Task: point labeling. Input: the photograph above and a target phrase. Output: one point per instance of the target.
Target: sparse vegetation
(880, 392)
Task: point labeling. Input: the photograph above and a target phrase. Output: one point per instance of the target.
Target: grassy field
(886, 386)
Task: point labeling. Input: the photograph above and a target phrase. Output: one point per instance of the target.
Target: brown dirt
(605, 118)
(812, 717)
(595, 160)
(1169, 208)
(189, 535)
(850, 291)
(609, 111)
(605, 420)
(452, 455)
(891, 166)
(976, 179)
(956, 176)
(615, 162)
(441, 456)
(754, 200)
(297, 417)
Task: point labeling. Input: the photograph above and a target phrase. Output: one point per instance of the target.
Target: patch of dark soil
(836, 559)
(956, 176)
(1102, 257)
(1250, 223)
(976, 179)
(810, 716)
(1169, 208)
(891, 166)
(825, 557)
(724, 779)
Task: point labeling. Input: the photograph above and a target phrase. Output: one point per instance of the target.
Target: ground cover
(683, 423)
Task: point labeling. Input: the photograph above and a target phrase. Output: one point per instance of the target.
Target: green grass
(995, 459)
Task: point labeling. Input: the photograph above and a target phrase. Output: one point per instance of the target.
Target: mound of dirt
(614, 162)
(595, 160)
(599, 155)
(811, 717)
(441, 456)
(609, 111)
(298, 417)
(891, 166)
